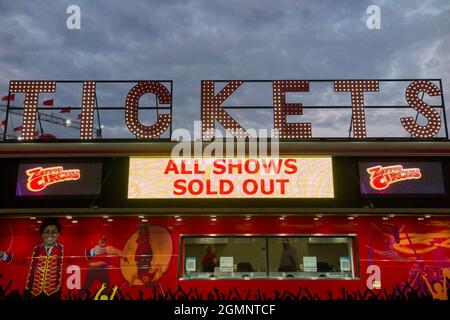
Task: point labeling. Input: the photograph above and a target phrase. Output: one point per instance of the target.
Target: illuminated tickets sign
(401, 178)
(215, 99)
(172, 178)
(57, 179)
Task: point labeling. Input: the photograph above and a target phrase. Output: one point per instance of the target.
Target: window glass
(231, 257)
(268, 256)
(300, 257)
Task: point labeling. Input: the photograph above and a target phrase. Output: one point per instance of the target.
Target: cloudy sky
(189, 41)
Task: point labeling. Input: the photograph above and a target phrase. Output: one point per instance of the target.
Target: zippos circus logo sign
(382, 177)
(169, 178)
(402, 178)
(39, 178)
(59, 178)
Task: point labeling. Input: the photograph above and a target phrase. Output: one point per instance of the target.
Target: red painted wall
(404, 248)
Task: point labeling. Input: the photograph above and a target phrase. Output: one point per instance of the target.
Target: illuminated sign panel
(422, 96)
(39, 179)
(171, 178)
(386, 178)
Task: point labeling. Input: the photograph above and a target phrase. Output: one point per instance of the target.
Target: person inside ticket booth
(288, 259)
(209, 259)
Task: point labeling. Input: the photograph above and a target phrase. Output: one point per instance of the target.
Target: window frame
(353, 250)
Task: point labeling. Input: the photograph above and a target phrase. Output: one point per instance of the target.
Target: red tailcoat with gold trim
(45, 270)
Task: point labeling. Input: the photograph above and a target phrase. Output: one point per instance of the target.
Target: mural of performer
(44, 277)
(392, 238)
(422, 275)
(99, 265)
(150, 251)
(144, 255)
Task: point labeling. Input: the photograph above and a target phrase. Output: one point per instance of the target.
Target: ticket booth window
(311, 257)
(268, 256)
(225, 257)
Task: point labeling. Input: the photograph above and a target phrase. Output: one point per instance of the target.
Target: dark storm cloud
(187, 41)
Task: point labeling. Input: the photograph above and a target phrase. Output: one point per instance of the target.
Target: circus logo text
(382, 177)
(39, 178)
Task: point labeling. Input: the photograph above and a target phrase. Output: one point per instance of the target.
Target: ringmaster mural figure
(45, 273)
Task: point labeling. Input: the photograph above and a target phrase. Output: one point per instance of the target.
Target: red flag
(48, 102)
(3, 122)
(19, 128)
(65, 110)
(10, 97)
